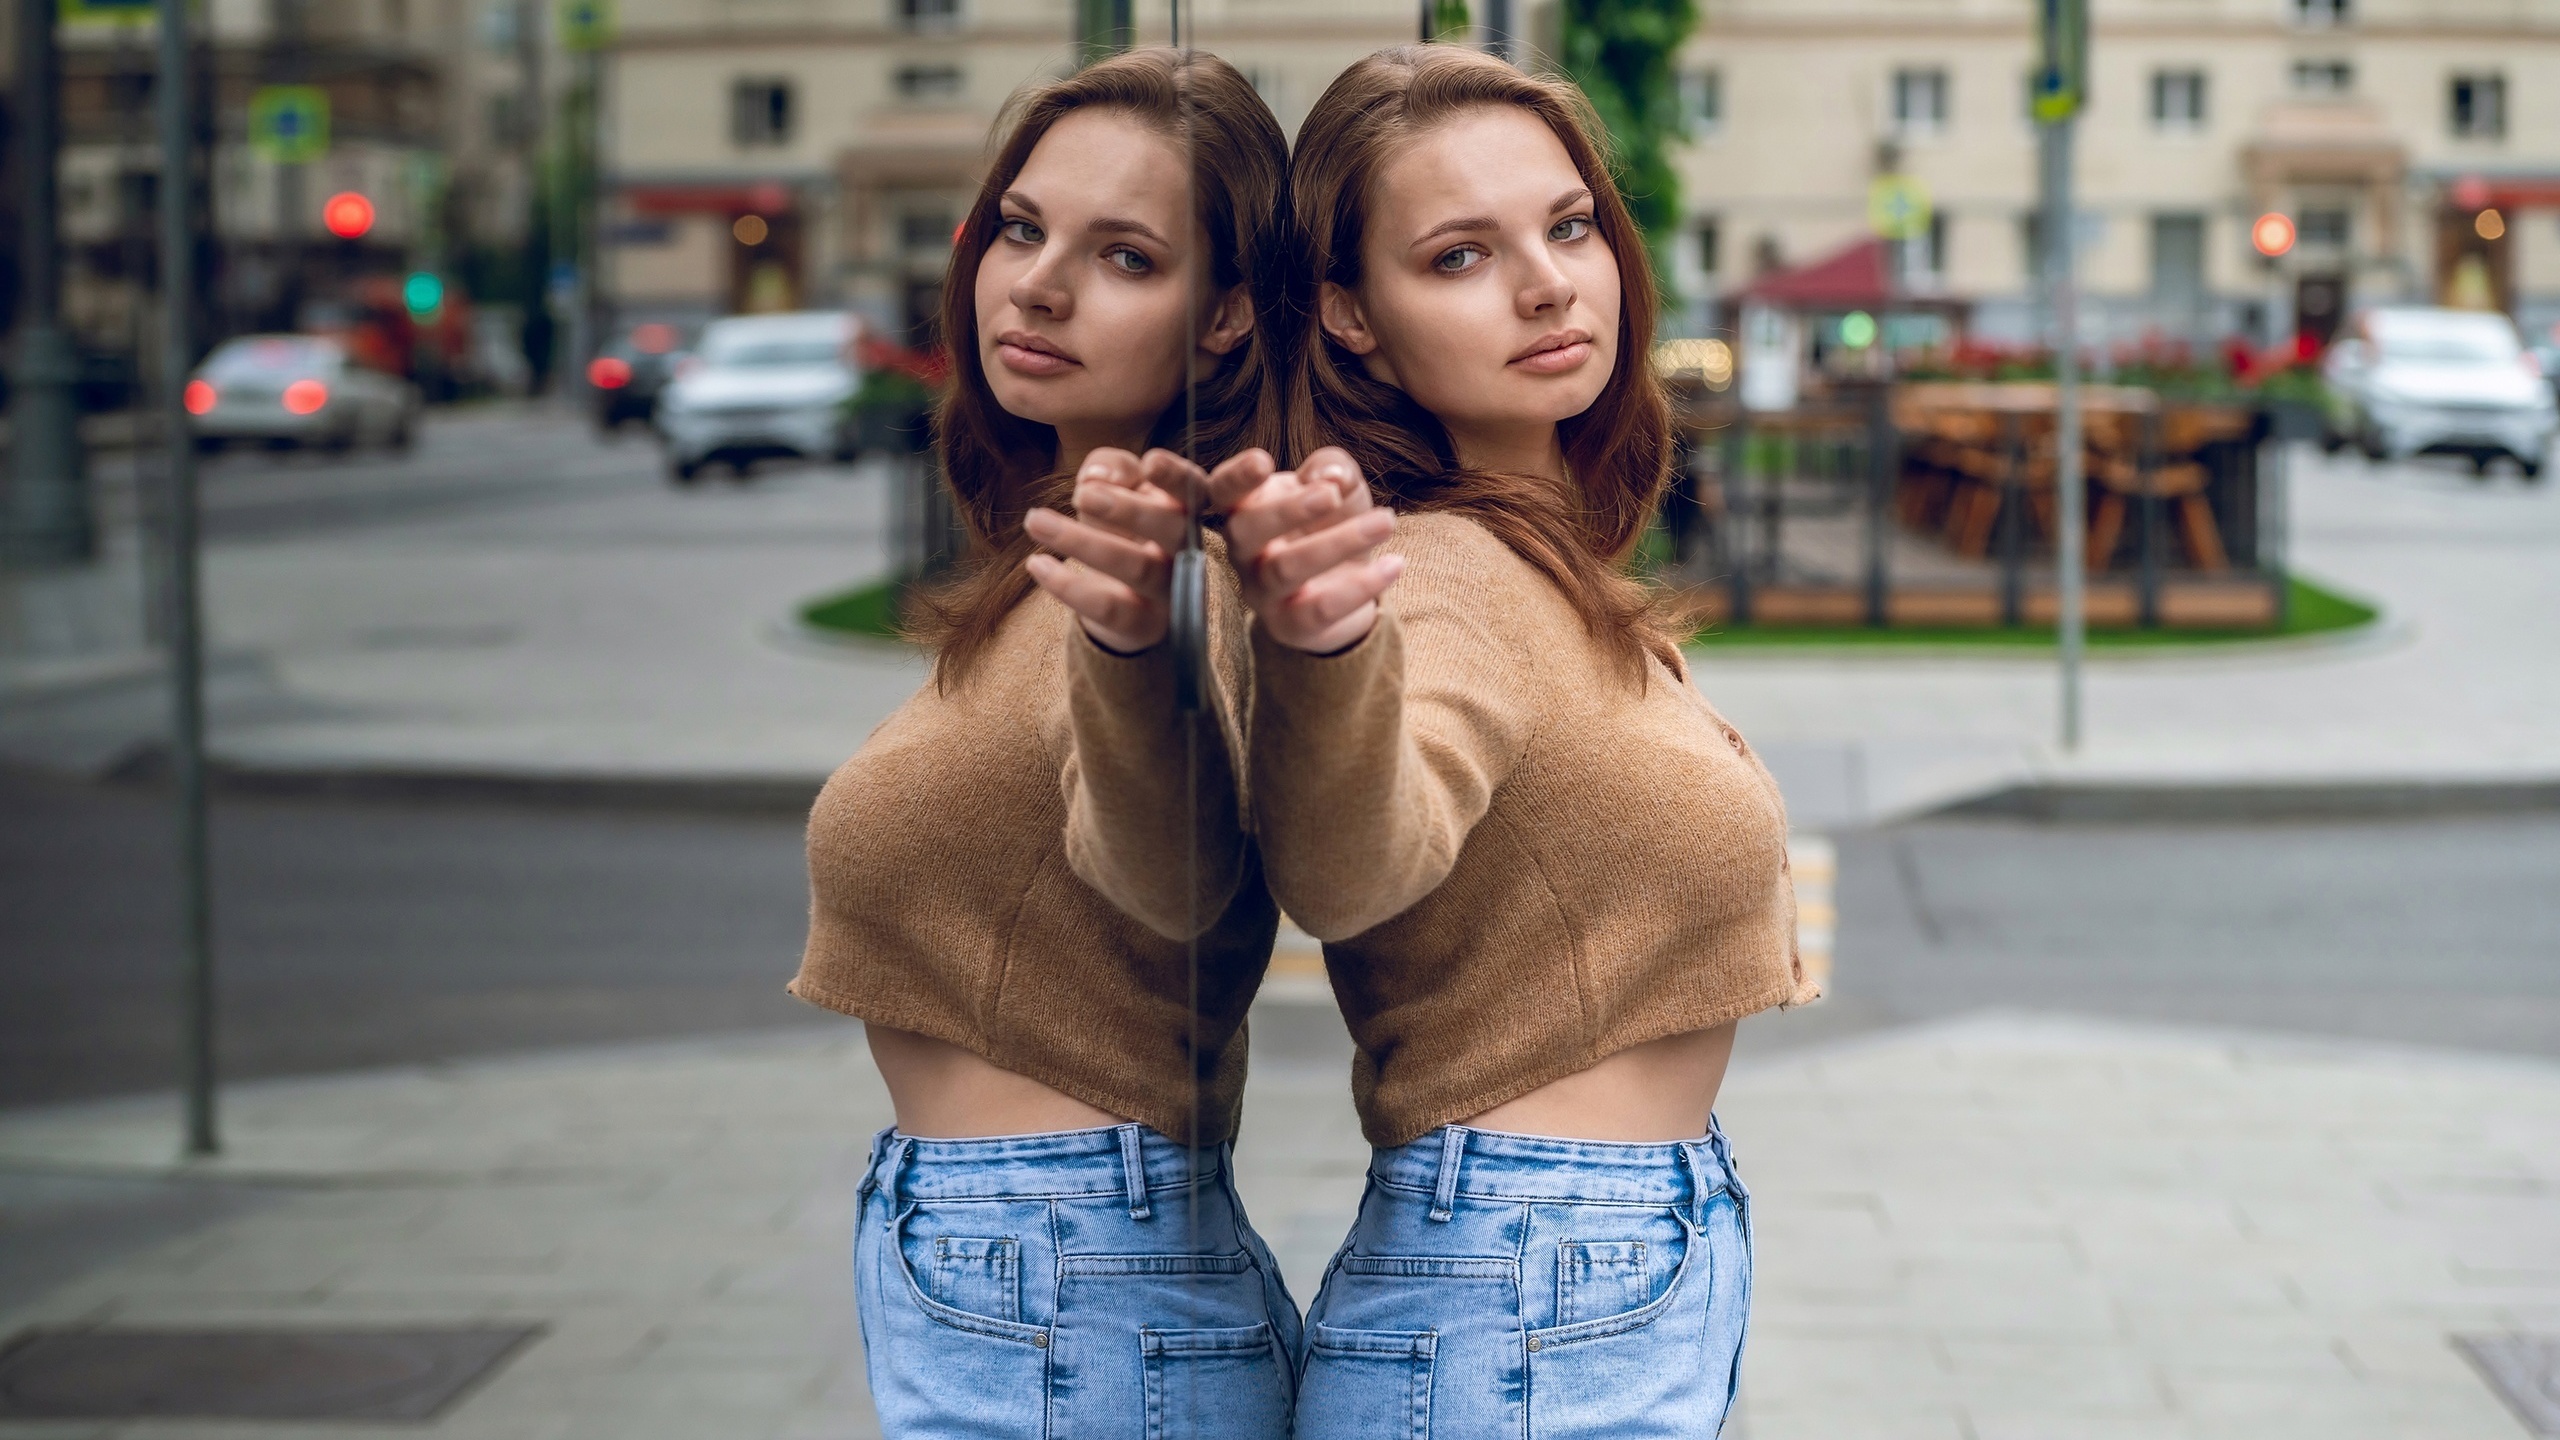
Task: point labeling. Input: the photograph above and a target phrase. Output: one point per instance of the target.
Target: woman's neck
(1077, 441)
(1536, 449)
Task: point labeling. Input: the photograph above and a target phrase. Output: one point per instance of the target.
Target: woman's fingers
(1238, 476)
(1140, 564)
(1111, 612)
(1282, 506)
(1186, 484)
(1295, 559)
(1335, 596)
(1143, 513)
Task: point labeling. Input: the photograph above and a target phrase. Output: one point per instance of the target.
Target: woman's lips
(1029, 355)
(1568, 356)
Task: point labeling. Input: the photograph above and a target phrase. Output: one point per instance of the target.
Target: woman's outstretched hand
(1304, 542)
(1117, 567)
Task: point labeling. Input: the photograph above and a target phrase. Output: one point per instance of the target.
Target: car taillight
(199, 397)
(304, 397)
(608, 372)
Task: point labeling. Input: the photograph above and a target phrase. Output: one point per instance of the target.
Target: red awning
(1856, 278)
(765, 198)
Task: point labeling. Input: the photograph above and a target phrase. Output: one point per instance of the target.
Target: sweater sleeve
(1163, 844)
(1371, 767)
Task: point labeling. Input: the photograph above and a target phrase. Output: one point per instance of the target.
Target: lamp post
(48, 520)
(2061, 87)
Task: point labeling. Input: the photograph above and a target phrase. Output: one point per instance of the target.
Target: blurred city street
(2219, 1117)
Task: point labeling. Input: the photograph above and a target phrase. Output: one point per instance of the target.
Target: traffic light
(423, 293)
(347, 215)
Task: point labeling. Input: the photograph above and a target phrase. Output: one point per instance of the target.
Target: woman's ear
(1229, 324)
(1339, 311)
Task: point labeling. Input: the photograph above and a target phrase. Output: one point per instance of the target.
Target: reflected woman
(1550, 877)
(1049, 1240)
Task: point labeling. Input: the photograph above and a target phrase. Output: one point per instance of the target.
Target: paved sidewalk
(625, 630)
(2008, 1226)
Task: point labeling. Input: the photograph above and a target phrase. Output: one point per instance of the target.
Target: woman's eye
(1465, 257)
(1021, 232)
(1127, 260)
(1572, 229)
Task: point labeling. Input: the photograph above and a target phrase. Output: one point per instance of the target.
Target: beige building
(764, 154)
(2415, 145)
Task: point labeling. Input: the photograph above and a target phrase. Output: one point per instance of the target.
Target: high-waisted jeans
(1518, 1286)
(1083, 1283)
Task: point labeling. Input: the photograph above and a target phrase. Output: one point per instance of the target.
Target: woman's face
(1084, 298)
(1486, 291)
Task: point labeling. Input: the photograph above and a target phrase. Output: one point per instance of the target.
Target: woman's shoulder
(1455, 556)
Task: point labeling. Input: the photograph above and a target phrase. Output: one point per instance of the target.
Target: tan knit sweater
(1520, 862)
(949, 870)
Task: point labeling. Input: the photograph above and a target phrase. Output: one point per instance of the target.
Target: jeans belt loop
(1444, 1194)
(1700, 1191)
(1133, 1171)
(899, 1152)
(1724, 1157)
(871, 1167)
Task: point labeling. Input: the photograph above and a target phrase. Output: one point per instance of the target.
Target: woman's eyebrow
(1113, 226)
(1020, 201)
(1570, 198)
(1478, 223)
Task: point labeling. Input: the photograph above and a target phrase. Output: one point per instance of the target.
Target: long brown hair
(999, 465)
(1618, 452)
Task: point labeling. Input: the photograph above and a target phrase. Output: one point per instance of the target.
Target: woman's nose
(1041, 288)
(1545, 286)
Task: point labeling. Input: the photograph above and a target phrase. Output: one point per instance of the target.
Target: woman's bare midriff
(942, 1092)
(1660, 1090)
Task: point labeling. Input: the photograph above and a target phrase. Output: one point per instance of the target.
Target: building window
(925, 231)
(1702, 101)
(2326, 229)
(2323, 12)
(1924, 256)
(2178, 99)
(760, 112)
(1919, 101)
(1709, 237)
(928, 14)
(2323, 77)
(929, 82)
(2177, 260)
(2479, 106)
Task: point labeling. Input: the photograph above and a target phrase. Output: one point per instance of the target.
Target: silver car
(761, 386)
(297, 390)
(2410, 380)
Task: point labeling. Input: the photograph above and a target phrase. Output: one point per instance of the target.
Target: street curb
(2250, 800)
(767, 795)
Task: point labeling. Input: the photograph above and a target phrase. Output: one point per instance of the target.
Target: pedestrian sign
(1898, 207)
(2062, 59)
(289, 124)
(586, 24)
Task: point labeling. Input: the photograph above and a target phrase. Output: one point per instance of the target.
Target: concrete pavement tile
(1759, 1420)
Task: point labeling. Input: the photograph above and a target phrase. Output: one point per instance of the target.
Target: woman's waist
(1461, 1161)
(1096, 1162)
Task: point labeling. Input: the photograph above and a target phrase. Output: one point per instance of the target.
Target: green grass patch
(870, 610)
(2310, 610)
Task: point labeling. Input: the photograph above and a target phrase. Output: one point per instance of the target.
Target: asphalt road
(357, 933)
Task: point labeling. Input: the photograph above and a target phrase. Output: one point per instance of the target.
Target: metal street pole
(186, 628)
(48, 520)
(2061, 241)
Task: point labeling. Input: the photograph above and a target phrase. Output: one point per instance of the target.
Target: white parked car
(760, 386)
(2410, 380)
(297, 390)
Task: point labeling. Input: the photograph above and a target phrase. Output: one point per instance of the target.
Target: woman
(1550, 878)
(1049, 1240)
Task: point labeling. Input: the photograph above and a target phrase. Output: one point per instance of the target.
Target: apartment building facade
(2413, 144)
(767, 154)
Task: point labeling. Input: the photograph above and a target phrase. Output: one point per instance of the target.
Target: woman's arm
(1154, 797)
(1379, 732)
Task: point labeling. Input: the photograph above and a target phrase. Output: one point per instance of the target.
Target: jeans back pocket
(1221, 1384)
(1371, 1384)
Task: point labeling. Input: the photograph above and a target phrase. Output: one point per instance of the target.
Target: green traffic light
(424, 293)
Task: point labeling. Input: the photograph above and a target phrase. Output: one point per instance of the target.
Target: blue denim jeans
(1083, 1283)
(1512, 1285)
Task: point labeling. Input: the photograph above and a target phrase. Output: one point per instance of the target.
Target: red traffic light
(347, 214)
(200, 397)
(2273, 234)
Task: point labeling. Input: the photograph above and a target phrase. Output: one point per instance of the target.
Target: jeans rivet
(1040, 1341)
(1535, 1342)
